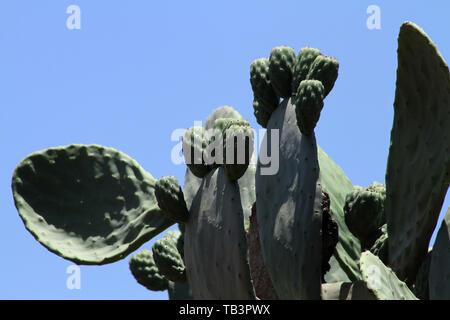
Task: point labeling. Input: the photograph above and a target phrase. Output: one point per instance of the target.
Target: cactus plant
(417, 174)
(309, 223)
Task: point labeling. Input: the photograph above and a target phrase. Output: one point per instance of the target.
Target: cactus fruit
(364, 213)
(325, 69)
(171, 199)
(221, 112)
(195, 140)
(215, 230)
(168, 258)
(289, 210)
(303, 62)
(309, 104)
(281, 69)
(263, 91)
(238, 150)
(143, 267)
(381, 280)
(440, 262)
(56, 192)
(418, 167)
(261, 115)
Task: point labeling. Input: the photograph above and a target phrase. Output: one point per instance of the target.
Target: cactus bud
(324, 69)
(308, 105)
(171, 199)
(281, 69)
(167, 257)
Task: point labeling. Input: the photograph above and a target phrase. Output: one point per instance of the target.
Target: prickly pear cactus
(439, 278)
(381, 280)
(171, 199)
(56, 192)
(289, 209)
(215, 249)
(168, 258)
(417, 175)
(143, 267)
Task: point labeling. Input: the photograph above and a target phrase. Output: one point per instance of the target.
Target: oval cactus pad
(87, 203)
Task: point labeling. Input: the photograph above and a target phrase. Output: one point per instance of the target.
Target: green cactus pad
(179, 291)
(87, 203)
(191, 185)
(145, 271)
(309, 104)
(418, 166)
(381, 280)
(289, 210)
(261, 85)
(336, 184)
(261, 115)
(168, 258)
(440, 262)
(381, 248)
(215, 249)
(195, 140)
(364, 213)
(171, 199)
(346, 291)
(336, 273)
(324, 69)
(303, 62)
(281, 69)
(421, 288)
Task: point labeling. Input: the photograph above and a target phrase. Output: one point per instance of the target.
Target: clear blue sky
(137, 70)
